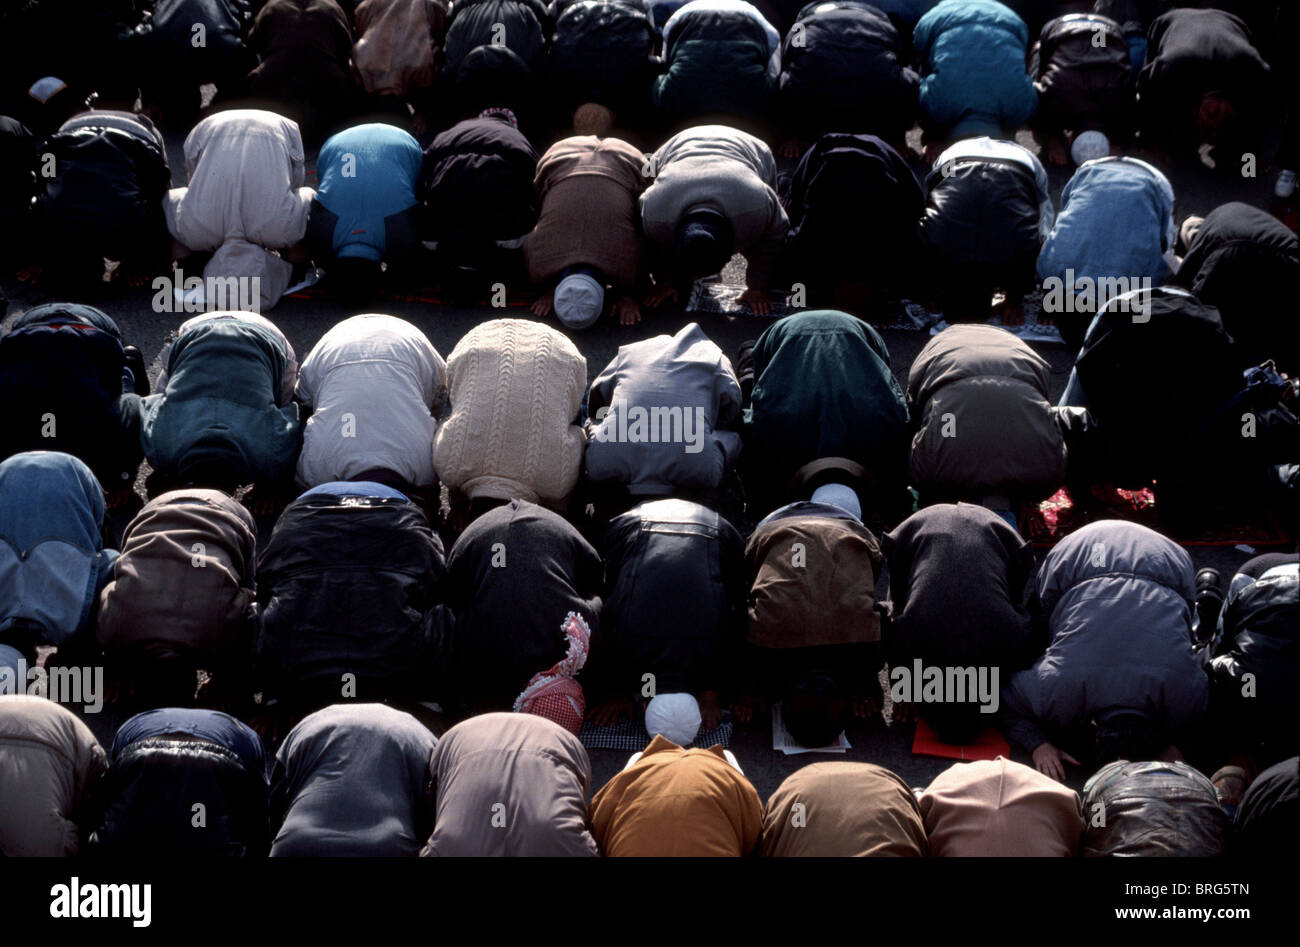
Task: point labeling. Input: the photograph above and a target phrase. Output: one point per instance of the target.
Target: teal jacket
(221, 405)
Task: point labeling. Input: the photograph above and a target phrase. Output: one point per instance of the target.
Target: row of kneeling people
(598, 227)
(1113, 648)
(368, 780)
(510, 414)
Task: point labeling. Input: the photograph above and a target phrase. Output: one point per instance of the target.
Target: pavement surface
(1198, 190)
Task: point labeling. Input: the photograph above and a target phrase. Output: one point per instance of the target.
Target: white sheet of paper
(781, 739)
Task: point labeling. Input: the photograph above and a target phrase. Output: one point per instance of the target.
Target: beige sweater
(515, 388)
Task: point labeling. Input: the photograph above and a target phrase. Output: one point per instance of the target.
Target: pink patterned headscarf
(554, 694)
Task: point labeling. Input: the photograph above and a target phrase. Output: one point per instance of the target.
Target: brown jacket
(184, 580)
(841, 809)
(674, 802)
(49, 764)
(814, 580)
(588, 189)
(396, 39)
(999, 808)
(986, 426)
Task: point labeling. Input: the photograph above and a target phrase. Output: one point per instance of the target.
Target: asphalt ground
(1198, 190)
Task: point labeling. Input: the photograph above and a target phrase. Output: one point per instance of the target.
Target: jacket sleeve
(1018, 721)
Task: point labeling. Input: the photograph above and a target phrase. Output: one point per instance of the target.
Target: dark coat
(842, 71)
(676, 601)
(513, 577)
(351, 585)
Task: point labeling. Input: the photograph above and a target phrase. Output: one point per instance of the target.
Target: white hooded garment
(245, 197)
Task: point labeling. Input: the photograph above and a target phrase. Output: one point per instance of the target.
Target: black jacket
(853, 208)
(1258, 636)
(1083, 75)
(105, 198)
(841, 71)
(513, 577)
(62, 363)
(676, 598)
(981, 212)
(522, 26)
(477, 186)
(1246, 263)
(604, 51)
(350, 585)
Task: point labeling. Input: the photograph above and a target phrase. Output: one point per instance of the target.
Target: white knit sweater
(515, 388)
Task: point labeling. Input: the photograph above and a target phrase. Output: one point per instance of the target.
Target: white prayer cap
(579, 300)
(676, 716)
(1089, 146)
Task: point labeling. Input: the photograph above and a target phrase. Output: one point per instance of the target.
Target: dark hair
(815, 709)
(703, 244)
(354, 279)
(1127, 735)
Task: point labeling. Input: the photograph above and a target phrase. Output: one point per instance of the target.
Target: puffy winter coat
(1257, 635)
(1153, 809)
(1119, 600)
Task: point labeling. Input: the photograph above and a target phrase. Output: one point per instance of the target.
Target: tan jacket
(841, 809)
(1000, 808)
(49, 764)
(674, 802)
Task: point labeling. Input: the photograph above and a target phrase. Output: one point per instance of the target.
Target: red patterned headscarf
(554, 694)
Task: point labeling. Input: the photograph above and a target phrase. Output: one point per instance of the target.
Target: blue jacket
(368, 175)
(973, 54)
(1116, 220)
(52, 559)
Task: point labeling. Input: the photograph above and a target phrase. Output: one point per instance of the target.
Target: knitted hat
(579, 300)
(676, 716)
(553, 693)
(1088, 146)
